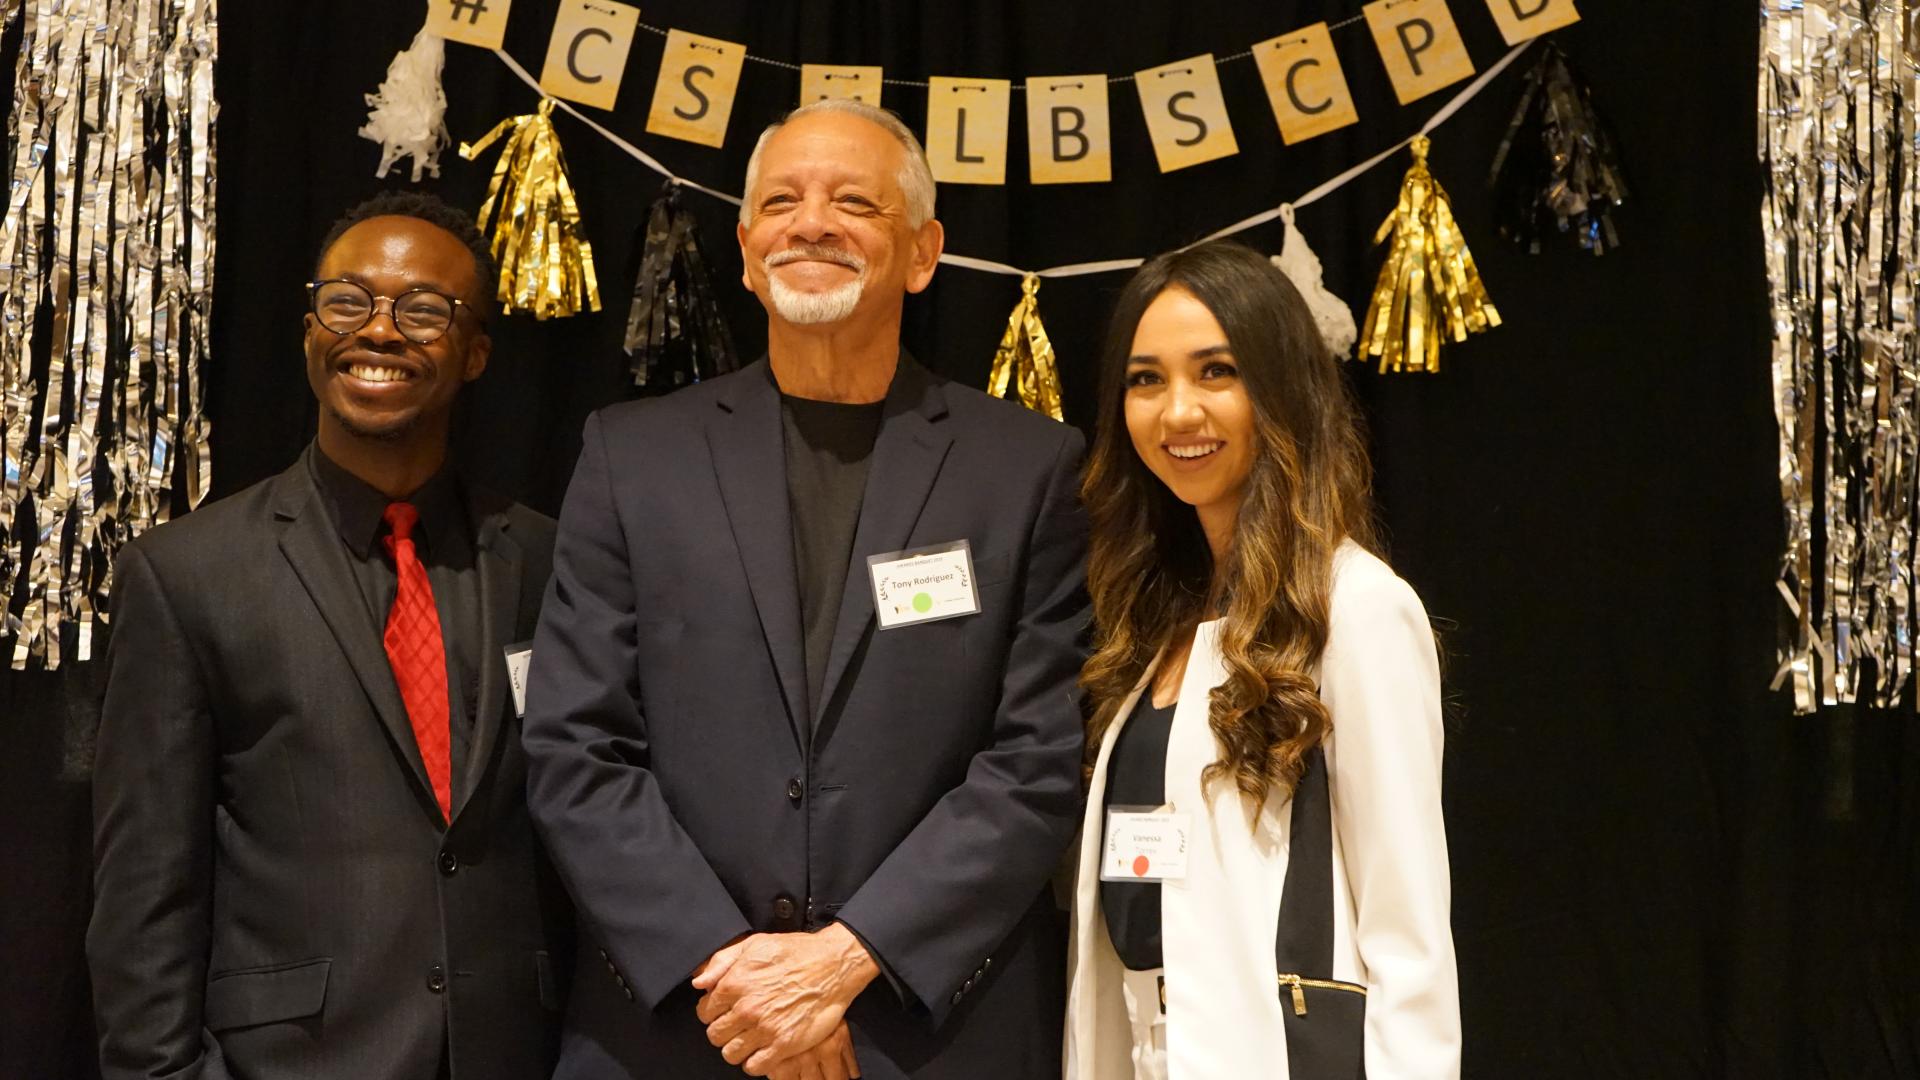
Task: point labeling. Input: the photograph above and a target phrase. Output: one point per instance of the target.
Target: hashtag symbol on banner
(477, 7)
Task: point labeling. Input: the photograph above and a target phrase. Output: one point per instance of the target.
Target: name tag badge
(519, 659)
(1144, 843)
(923, 585)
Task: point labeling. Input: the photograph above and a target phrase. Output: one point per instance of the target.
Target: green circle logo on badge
(922, 603)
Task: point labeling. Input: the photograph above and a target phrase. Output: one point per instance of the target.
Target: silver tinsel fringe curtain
(1837, 139)
(106, 266)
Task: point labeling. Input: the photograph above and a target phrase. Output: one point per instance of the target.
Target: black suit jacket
(276, 893)
(668, 703)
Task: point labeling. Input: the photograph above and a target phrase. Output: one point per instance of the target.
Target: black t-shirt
(829, 445)
(1137, 776)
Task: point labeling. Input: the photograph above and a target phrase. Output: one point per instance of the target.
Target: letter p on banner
(481, 23)
(587, 54)
(1419, 44)
(693, 97)
(1186, 115)
(967, 129)
(1067, 137)
(1523, 19)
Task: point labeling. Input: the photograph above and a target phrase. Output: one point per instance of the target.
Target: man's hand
(770, 997)
(831, 1060)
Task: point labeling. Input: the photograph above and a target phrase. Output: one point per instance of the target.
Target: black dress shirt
(444, 540)
(1137, 776)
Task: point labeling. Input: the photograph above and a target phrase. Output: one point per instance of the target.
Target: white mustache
(848, 259)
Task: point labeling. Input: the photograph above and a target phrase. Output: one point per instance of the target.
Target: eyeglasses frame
(373, 309)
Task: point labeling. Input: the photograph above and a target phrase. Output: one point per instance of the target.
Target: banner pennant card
(967, 129)
(1305, 84)
(1419, 44)
(587, 54)
(1523, 19)
(470, 22)
(1067, 135)
(821, 81)
(693, 98)
(1186, 114)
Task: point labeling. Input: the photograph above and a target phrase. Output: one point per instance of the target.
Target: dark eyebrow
(1154, 360)
(431, 286)
(1211, 350)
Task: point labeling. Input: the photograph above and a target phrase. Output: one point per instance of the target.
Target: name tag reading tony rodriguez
(923, 585)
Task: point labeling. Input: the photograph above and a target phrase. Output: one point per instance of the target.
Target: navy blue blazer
(668, 768)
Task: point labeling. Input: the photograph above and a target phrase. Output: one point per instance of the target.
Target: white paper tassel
(409, 115)
(1302, 267)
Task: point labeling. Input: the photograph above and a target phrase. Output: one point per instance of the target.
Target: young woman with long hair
(1251, 647)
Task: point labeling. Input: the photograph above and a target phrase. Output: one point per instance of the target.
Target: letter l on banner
(967, 129)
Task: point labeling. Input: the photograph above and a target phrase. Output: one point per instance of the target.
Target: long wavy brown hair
(1149, 568)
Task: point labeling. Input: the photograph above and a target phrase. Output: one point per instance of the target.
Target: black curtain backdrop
(1658, 870)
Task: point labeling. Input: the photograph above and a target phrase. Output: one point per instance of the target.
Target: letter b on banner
(1419, 45)
(967, 130)
(587, 54)
(1305, 84)
(693, 97)
(1067, 141)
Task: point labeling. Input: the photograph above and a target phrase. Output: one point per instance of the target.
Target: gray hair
(915, 178)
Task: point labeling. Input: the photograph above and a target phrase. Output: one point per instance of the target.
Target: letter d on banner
(470, 22)
(1523, 19)
(1186, 115)
(967, 130)
(1067, 140)
(693, 97)
(588, 52)
(1305, 83)
(1419, 44)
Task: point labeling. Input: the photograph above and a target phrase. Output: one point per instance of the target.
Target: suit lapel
(498, 559)
(311, 544)
(906, 460)
(750, 461)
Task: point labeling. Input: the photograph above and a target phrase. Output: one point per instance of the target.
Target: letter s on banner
(1067, 133)
(1305, 84)
(1523, 19)
(1419, 44)
(693, 97)
(967, 129)
(1186, 114)
(587, 54)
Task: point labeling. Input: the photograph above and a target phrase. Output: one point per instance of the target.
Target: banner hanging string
(967, 262)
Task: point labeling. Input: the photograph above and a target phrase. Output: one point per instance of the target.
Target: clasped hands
(775, 1004)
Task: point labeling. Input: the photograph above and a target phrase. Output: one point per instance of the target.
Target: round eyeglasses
(421, 315)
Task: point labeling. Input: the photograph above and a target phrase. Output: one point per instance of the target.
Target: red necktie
(418, 655)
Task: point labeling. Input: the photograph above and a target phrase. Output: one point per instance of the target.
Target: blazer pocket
(268, 994)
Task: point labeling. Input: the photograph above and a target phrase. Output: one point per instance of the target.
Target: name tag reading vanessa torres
(923, 585)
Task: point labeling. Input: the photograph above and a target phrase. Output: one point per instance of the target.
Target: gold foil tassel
(546, 264)
(1024, 361)
(1429, 289)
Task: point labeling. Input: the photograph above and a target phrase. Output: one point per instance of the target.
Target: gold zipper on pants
(1296, 983)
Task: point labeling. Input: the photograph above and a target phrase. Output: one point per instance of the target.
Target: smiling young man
(312, 851)
(802, 734)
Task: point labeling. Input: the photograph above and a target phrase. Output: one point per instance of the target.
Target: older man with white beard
(801, 724)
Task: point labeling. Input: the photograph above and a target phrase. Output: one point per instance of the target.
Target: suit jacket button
(629, 991)
(436, 979)
(957, 995)
(449, 863)
(783, 908)
(796, 789)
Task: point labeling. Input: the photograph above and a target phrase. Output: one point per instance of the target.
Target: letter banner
(587, 54)
(1419, 44)
(1305, 84)
(1186, 114)
(694, 95)
(819, 81)
(1067, 140)
(469, 22)
(1523, 19)
(967, 129)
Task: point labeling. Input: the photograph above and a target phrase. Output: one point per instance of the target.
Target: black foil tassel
(675, 333)
(1557, 167)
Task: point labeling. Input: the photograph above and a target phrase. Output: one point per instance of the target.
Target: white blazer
(1380, 680)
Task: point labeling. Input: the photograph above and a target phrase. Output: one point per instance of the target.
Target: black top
(829, 445)
(1137, 776)
(443, 538)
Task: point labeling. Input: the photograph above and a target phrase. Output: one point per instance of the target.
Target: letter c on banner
(573, 54)
(1305, 85)
(587, 54)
